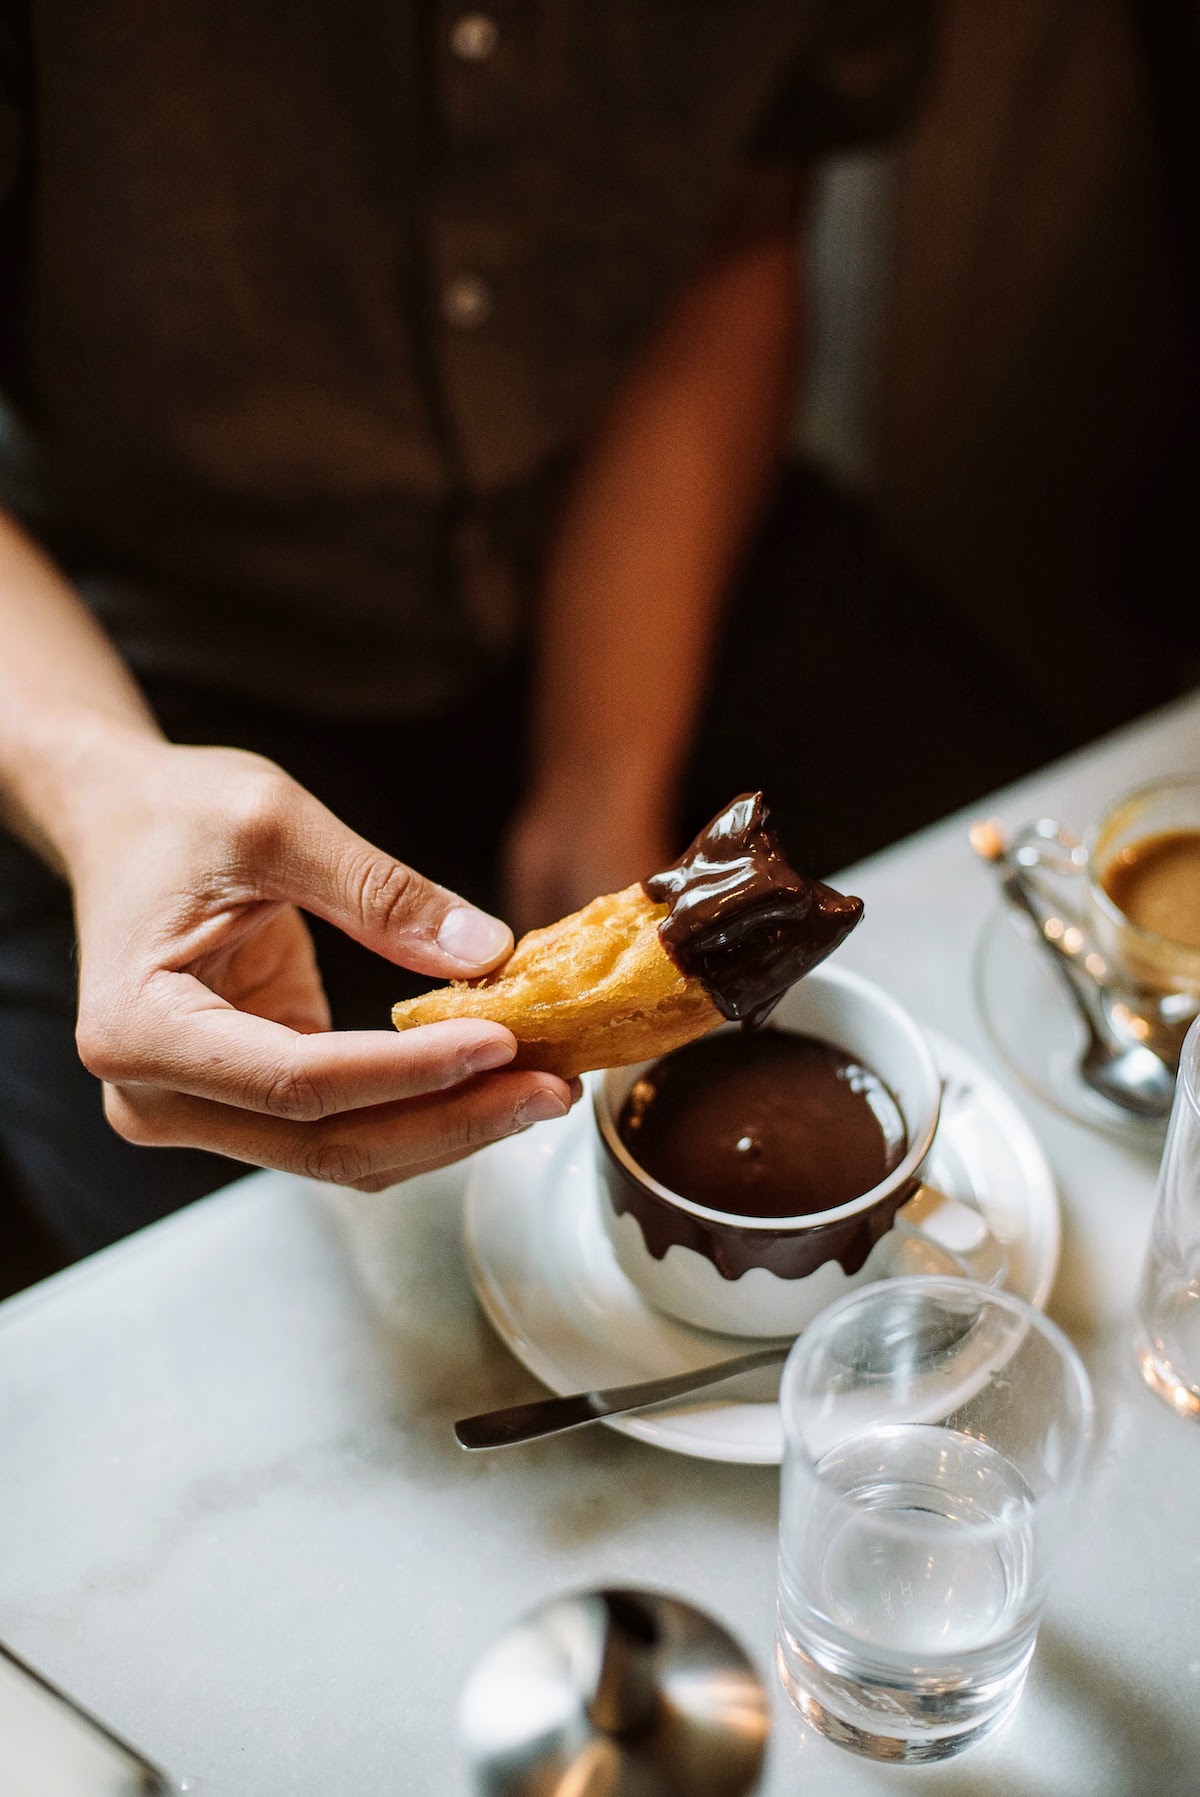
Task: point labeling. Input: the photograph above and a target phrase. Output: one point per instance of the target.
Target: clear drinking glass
(935, 1435)
(1168, 1335)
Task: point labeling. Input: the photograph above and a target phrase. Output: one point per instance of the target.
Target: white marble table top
(234, 1522)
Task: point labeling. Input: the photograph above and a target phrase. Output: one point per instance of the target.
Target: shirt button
(473, 37)
(467, 302)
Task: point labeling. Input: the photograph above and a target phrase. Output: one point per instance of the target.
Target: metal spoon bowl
(1134, 1078)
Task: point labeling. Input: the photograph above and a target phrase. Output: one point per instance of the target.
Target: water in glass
(908, 1601)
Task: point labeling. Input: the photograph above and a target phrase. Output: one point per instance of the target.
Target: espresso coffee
(763, 1125)
(1155, 883)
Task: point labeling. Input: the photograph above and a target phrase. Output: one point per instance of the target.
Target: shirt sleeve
(856, 80)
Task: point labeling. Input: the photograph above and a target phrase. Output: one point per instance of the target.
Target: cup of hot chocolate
(1124, 901)
(749, 1178)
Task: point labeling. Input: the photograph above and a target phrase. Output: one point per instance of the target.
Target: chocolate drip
(742, 921)
(789, 1253)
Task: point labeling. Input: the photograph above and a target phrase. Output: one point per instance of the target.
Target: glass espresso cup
(1125, 903)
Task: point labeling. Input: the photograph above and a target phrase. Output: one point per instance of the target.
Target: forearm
(662, 509)
(71, 715)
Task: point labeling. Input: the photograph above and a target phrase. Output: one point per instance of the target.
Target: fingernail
(489, 1055)
(473, 937)
(540, 1108)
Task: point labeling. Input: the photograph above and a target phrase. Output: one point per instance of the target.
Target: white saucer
(545, 1274)
(1037, 1031)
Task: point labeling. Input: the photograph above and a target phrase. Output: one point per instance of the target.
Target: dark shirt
(304, 301)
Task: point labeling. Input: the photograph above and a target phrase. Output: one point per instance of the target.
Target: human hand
(201, 1007)
(575, 838)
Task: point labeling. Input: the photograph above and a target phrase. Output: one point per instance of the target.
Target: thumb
(326, 868)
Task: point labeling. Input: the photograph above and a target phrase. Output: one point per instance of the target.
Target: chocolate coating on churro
(741, 920)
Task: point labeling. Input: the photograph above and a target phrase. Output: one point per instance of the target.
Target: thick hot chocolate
(764, 1125)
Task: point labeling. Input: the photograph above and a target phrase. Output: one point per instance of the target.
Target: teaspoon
(1127, 1074)
(552, 1416)
(914, 1251)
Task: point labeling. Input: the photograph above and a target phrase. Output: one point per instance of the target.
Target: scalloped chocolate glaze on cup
(733, 1249)
(741, 920)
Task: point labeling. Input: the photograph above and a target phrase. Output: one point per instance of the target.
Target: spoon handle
(552, 1416)
(1077, 983)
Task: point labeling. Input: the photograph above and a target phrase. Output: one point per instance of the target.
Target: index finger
(204, 1047)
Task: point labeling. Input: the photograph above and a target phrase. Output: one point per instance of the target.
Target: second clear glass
(1168, 1334)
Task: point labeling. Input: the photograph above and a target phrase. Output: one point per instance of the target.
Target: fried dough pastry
(596, 989)
(718, 936)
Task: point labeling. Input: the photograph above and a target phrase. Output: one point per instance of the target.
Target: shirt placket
(478, 225)
(482, 230)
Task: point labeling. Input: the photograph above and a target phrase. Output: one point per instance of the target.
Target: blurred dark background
(27, 1253)
(998, 440)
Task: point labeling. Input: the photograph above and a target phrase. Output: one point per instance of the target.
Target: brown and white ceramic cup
(769, 1276)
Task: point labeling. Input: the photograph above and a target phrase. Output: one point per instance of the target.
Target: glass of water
(935, 1435)
(1168, 1335)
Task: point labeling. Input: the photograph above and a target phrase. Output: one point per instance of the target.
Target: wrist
(640, 786)
(77, 779)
